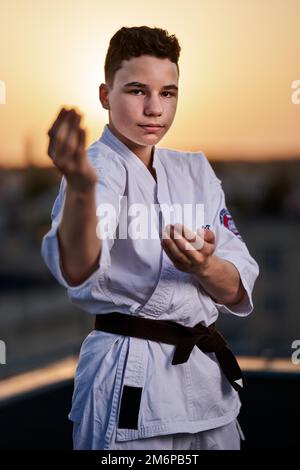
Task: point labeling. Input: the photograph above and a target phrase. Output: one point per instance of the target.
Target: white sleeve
(230, 246)
(108, 189)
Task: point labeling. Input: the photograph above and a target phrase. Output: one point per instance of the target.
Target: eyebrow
(142, 85)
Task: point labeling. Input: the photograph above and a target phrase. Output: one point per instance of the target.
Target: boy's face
(153, 100)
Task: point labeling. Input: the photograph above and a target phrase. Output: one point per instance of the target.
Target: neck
(143, 152)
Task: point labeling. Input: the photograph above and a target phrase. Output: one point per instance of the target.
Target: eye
(166, 94)
(134, 91)
(169, 93)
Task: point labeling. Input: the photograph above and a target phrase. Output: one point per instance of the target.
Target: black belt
(207, 338)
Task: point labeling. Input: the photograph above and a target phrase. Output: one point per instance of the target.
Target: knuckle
(197, 259)
(59, 139)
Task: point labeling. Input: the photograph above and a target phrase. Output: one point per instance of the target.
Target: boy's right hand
(67, 151)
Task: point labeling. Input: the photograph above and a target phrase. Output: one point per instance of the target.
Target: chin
(154, 137)
(151, 140)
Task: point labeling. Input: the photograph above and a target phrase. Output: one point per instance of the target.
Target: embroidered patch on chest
(228, 222)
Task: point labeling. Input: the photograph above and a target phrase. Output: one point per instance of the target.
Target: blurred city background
(237, 103)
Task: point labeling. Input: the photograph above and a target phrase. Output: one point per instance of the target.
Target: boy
(154, 373)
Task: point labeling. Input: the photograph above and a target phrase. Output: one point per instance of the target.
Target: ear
(103, 95)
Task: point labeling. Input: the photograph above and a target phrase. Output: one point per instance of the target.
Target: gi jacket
(136, 277)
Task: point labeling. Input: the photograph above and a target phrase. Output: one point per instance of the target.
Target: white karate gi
(135, 276)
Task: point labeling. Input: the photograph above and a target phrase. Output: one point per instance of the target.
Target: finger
(182, 244)
(57, 122)
(209, 236)
(66, 125)
(175, 252)
(70, 141)
(195, 240)
(72, 146)
(187, 232)
(82, 141)
(50, 150)
(209, 242)
(80, 150)
(65, 131)
(182, 231)
(52, 131)
(169, 252)
(57, 132)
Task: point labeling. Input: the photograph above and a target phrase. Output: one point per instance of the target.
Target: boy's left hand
(189, 251)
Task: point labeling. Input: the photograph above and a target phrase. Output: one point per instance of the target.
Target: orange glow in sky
(238, 62)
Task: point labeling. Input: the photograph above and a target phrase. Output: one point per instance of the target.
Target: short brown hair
(136, 41)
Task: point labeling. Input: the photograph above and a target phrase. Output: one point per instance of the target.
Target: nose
(153, 106)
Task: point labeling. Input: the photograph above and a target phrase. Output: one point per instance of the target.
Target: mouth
(152, 127)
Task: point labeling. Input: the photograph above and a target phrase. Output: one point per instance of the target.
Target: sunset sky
(238, 61)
